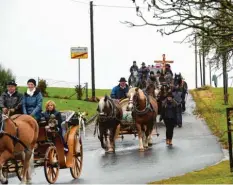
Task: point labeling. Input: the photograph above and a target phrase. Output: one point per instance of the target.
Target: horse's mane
(134, 90)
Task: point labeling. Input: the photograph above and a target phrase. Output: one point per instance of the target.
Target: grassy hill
(73, 103)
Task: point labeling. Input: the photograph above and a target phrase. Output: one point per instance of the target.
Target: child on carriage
(50, 108)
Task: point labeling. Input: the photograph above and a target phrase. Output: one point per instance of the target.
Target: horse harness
(145, 110)
(15, 139)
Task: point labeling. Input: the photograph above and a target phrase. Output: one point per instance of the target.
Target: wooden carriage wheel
(76, 168)
(19, 169)
(51, 164)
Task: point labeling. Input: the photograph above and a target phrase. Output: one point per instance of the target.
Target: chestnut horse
(144, 110)
(18, 136)
(109, 119)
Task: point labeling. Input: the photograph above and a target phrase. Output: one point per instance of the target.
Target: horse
(134, 79)
(18, 137)
(142, 82)
(109, 119)
(183, 86)
(144, 111)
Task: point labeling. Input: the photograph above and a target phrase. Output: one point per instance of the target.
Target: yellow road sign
(79, 52)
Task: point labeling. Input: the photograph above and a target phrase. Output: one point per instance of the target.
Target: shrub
(5, 76)
(42, 85)
(79, 91)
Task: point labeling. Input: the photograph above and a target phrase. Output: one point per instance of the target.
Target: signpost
(79, 53)
(229, 131)
(163, 62)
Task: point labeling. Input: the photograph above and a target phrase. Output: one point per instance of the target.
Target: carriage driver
(120, 91)
(11, 100)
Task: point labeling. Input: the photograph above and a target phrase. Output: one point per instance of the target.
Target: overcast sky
(36, 36)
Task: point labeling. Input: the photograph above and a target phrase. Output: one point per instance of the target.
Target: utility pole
(200, 66)
(196, 59)
(203, 42)
(92, 51)
(210, 73)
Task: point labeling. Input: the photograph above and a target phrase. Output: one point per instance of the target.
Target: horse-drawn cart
(50, 153)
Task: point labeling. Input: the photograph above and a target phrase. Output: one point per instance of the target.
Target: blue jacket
(119, 93)
(32, 105)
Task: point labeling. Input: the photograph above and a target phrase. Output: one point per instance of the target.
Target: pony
(18, 137)
(144, 111)
(109, 118)
(134, 79)
(183, 86)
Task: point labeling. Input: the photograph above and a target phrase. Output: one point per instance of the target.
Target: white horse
(134, 79)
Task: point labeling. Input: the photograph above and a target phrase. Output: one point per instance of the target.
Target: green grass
(218, 174)
(73, 103)
(60, 91)
(209, 105)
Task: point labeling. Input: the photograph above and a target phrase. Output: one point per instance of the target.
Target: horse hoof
(157, 135)
(150, 145)
(6, 182)
(141, 149)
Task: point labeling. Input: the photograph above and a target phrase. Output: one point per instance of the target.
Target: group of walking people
(12, 102)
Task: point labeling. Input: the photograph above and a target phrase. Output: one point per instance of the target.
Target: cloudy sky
(36, 36)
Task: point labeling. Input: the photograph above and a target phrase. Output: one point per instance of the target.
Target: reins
(14, 138)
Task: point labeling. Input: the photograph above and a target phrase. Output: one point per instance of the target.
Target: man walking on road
(169, 115)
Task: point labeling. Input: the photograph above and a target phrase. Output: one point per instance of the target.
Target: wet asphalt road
(194, 147)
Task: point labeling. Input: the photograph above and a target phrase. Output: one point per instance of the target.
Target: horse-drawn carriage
(49, 151)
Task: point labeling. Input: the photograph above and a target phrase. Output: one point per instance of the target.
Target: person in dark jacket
(11, 100)
(168, 69)
(169, 115)
(50, 109)
(178, 98)
(120, 91)
(32, 100)
(133, 68)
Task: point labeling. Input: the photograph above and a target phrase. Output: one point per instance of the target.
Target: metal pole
(196, 59)
(92, 51)
(86, 91)
(79, 73)
(210, 74)
(200, 67)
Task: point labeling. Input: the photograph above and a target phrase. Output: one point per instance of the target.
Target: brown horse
(144, 110)
(109, 119)
(18, 136)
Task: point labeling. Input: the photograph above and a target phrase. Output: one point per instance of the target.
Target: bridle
(134, 100)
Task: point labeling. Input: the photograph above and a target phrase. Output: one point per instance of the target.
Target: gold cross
(163, 62)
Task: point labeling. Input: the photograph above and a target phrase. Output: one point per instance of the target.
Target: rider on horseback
(151, 84)
(168, 69)
(143, 72)
(11, 100)
(120, 91)
(133, 68)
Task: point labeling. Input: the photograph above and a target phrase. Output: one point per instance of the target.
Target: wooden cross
(163, 62)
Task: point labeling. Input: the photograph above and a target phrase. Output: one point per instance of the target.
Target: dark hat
(167, 65)
(32, 81)
(158, 72)
(122, 79)
(170, 94)
(152, 72)
(134, 62)
(143, 63)
(12, 82)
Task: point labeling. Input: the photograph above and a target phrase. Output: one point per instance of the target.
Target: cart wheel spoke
(51, 168)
